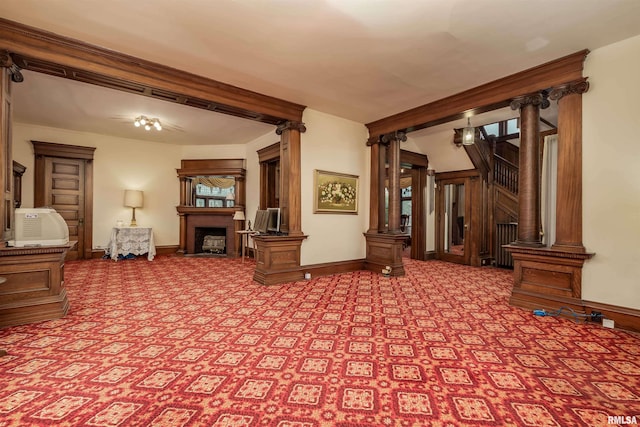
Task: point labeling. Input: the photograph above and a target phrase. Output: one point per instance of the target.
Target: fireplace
(210, 240)
(196, 223)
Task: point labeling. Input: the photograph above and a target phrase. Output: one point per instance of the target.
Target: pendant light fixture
(468, 134)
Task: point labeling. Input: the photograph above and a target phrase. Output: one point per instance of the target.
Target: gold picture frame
(335, 192)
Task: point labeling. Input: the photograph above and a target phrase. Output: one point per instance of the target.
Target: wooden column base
(384, 250)
(547, 278)
(277, 259)
(34, 287)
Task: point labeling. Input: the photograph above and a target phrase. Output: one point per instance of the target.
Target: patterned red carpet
(194, 342)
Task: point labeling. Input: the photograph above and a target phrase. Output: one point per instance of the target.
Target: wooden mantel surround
(192, 217)
(544, 277)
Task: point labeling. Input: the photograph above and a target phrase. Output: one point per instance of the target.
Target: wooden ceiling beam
(75, 59)
(480, 98)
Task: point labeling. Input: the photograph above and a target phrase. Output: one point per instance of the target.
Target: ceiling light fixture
(468, 134)
(147, 123)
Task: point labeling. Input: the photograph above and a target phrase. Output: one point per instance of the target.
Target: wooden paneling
(277, 259)
(546, 277)
(34, 288)
(384, 250)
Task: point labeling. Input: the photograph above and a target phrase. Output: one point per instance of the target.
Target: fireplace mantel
(193, 218)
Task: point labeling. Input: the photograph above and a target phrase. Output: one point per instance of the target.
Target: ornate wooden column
(529, 168)
(382, 176)
(278, 257)
(550, 278)
(384, 247)
(569, 201)
(374, 188)
(394, 140)
(9, 74)
(185, 191)
(290, 187)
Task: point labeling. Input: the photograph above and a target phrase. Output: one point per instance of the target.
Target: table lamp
(133, 199)
(238, 216)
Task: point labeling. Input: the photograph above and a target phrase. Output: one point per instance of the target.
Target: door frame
(42, 150)
(472, 226)
(419, 163)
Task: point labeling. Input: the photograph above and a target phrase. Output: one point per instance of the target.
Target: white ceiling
(358, 59)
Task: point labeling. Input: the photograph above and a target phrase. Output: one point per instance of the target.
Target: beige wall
(121, 164)
(611, 175)
(337, 145)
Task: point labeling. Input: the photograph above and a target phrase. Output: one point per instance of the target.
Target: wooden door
(64, 181)
(64, 191)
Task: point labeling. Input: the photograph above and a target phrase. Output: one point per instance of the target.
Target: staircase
(505, 180)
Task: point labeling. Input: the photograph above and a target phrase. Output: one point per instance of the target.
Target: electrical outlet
(608, 323)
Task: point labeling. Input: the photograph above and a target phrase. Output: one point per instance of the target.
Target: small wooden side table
(245, 234)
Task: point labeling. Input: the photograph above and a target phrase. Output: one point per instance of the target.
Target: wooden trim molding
(270, 153)
(46, 52)
(485, 97)
(415, 159)
(624, 318)
(337, 267)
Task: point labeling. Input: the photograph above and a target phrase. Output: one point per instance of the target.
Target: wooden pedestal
(547, 278)
(277, 259)
(384, 250)
(34, 287)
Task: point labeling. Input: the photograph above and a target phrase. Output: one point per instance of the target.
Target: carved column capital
(6, 61)
(393, 136)
(577, 87)
(536, 99)
(291, 125)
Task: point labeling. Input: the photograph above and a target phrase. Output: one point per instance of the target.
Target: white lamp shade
(239, 216)
(133, 198)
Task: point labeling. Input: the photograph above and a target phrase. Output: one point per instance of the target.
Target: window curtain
(214, 181)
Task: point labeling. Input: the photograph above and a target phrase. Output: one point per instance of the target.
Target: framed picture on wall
(335, 192)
